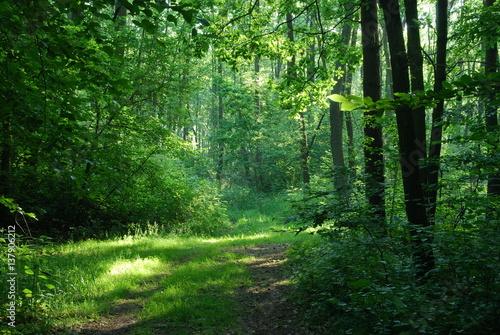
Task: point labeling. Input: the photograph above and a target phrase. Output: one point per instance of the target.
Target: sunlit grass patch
(200, 294)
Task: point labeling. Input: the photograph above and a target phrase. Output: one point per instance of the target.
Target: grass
(184, 284)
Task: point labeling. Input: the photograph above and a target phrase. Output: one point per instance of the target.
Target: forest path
(263, 306)
(267, 305)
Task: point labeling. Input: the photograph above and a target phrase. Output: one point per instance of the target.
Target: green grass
(184, 284)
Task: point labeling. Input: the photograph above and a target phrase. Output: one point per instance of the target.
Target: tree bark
(410, 153)
(373, 152)
(437, 114)
(416, 63)
(340, 180)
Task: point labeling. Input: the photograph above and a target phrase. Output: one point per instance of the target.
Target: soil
(265, 306)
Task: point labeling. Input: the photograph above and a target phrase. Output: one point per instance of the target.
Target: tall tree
(416, 64)
(337, 119)
(410, 152)
(373, 148)
(292, 73)
(437, 114)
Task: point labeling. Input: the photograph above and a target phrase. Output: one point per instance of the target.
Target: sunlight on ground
(147, 266)
(236, 238)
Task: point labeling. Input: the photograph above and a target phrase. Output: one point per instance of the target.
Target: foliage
(361, 284)
(36, 284)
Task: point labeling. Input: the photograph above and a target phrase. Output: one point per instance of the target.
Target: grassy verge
(182, 284)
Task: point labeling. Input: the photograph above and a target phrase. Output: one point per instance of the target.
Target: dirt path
(266, 305)
(266, 308)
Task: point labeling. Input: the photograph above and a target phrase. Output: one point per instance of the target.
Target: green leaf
(148, 26)
(360, 283)
(28, 292)
(171, 18)
(447, 85)
(348, 106)
(337, 98)
(204, 22)
(355, 99)
(28, 271)
(50, 286)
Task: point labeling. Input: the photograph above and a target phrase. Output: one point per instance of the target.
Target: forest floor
(264, 306)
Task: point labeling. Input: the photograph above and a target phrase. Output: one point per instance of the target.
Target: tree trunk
(351, 157)
(410, 153)
(337, 123)
(388, 69)
(292, 72)
(220, 118)
(437, 114)
(373, 152)
(416, 63)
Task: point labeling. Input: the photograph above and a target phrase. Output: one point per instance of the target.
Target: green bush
(36, 286)
(357, 284)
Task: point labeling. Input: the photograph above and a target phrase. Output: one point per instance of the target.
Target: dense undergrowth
(356, 281)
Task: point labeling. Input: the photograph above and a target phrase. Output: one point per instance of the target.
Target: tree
(409, 148)
(337, 120)
(437, 115)
(293, 77)
(373, 149)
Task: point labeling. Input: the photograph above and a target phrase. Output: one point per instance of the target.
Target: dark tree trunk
(374, 156)
(416, 63)
(410, 152)
(437, 114)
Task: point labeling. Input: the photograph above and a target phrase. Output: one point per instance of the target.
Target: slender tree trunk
(374, 156)
(410, 152)
(292, 72)
(220, 118)
(351, 158)
(388, 69)
(337, 122)
(491, 118)
(437, 114)
(416, 63)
